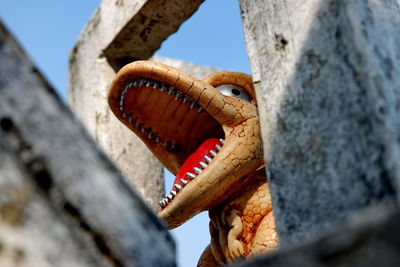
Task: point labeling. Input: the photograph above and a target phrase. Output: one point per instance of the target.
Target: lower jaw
(193, 166)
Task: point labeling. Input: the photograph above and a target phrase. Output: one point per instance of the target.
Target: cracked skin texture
(150, 99)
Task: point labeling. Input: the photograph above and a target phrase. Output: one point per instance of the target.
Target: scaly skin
(165, 108)
(243, 226)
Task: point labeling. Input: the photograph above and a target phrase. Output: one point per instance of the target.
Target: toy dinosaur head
(206, 132)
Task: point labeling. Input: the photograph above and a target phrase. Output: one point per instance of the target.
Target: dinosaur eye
(232, 90)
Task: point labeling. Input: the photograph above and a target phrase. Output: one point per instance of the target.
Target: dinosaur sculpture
(207, 133)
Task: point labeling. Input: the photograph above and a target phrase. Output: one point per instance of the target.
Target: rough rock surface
(369, 239)
(62, 202)
(327, 78)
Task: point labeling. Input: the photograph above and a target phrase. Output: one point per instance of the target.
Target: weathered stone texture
(31, 232)
(147, 29)
(327, 78)
(370, 239)
(118, 33)
(62, 203)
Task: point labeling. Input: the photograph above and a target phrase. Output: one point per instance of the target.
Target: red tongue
(194, 159)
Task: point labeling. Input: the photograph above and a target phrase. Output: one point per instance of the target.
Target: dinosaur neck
(234, 222)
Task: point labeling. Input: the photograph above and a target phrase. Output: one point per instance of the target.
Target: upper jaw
(241, 153)
(197, 91)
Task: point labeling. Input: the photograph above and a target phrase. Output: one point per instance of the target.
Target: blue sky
(48, 29)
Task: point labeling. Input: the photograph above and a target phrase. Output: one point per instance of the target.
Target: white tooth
(208, 159)
(171, 91)
(156, 85)
(178, 187)
(200, 110)
(137, 124)
(218, 147)
(136, 83)
(197, 170)
(149, 84)
(161, 203)
(183, 181)
(190, 175)
(203, 165)
(150, 135)
(157, 139)
(124, 115)
(142, 82)
(222, 141)
(170, 197)
(213, 153)
(173, 192)
(166, 200)
(178, 95)
(163, 88)
(185, 100)
(143, 130)
(192, 105)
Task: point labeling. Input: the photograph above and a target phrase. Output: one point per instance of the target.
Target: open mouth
(206, 132)
(176, 126)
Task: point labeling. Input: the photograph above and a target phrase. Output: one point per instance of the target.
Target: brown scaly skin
(233, 186)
